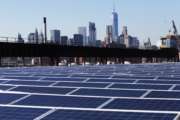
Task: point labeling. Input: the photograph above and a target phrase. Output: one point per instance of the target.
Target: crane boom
(175, 28)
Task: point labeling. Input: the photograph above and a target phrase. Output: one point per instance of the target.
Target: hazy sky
(144, 18)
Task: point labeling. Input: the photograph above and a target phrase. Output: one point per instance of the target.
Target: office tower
(41, 38)
(31, 38)
(115, 25)
(98, 43)
(133, 42)
(77, 40)
(92, 34)
(83, 32)
(126, 36)
(109, 32)
(129, 41)
(20, 39)
(36, 36)
(64, 40)
(55, 36)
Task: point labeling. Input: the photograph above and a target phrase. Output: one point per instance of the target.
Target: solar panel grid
(127, 83)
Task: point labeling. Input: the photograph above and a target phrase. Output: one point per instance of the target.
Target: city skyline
(151, 19)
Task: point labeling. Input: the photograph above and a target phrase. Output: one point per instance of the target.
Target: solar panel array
(111, 92)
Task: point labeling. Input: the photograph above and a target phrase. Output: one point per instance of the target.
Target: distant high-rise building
(41, 38)
(31, 38)
(77, 40)
(115, 25)
(133, 42)
(127, 40)
(109, 32)
(36, 36)
(148, 44)
(56, 36)
(83, 32)
(20, 39)
(126, 36)
(64, 40)
(98, 43)
(92, 34)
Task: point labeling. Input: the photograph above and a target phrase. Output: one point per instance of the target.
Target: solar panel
(142, 86)
(107, 92)
(159, 81)
(5, 87)
(163, 94)
(145, 104)
(47, 90)
(105, 115)
(22, 78)
(64, 79)
(62, 101)
(75, 84)
(111, 80)
(16, 113)
(40, 83)
(6, 98)
(111, 93)
(177, 87)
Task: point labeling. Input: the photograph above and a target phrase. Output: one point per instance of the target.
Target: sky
(144, 18)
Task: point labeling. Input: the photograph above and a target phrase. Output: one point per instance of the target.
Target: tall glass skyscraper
(83, 31)
(92, 34)
(56, 36)
(115, 25)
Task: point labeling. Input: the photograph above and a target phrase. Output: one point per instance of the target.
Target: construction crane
(175, 28)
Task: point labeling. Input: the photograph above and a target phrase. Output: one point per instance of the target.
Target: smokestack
(45, 29)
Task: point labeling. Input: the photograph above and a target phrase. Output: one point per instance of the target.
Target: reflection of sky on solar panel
(113, 92)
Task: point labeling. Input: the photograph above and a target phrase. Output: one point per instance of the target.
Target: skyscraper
(31, 38)
(20, 39)
(109, 32)
(56, 36)
(126, 36)
(83, 32)
(78, 40)
(92, 34)
(36, 36)
(41, 38)
(115, 25)
(64, 40)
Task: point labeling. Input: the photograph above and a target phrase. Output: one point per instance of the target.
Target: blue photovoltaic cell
(1, 81)
(92, 76)
(23, 78)
(163, 94)
(39, 83)
(102, 115)
(50, 75)
(111, 93)
(145, 104)
(5, 87)
(177, 87)
(64, 79)
(169, 78)
(133, 77)
(73, 84)
(159, 81)
(141, 86)
(6, 98)
(15, 74)
(62, 101)
(111, 80)
(48, 90)
(14, 113)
